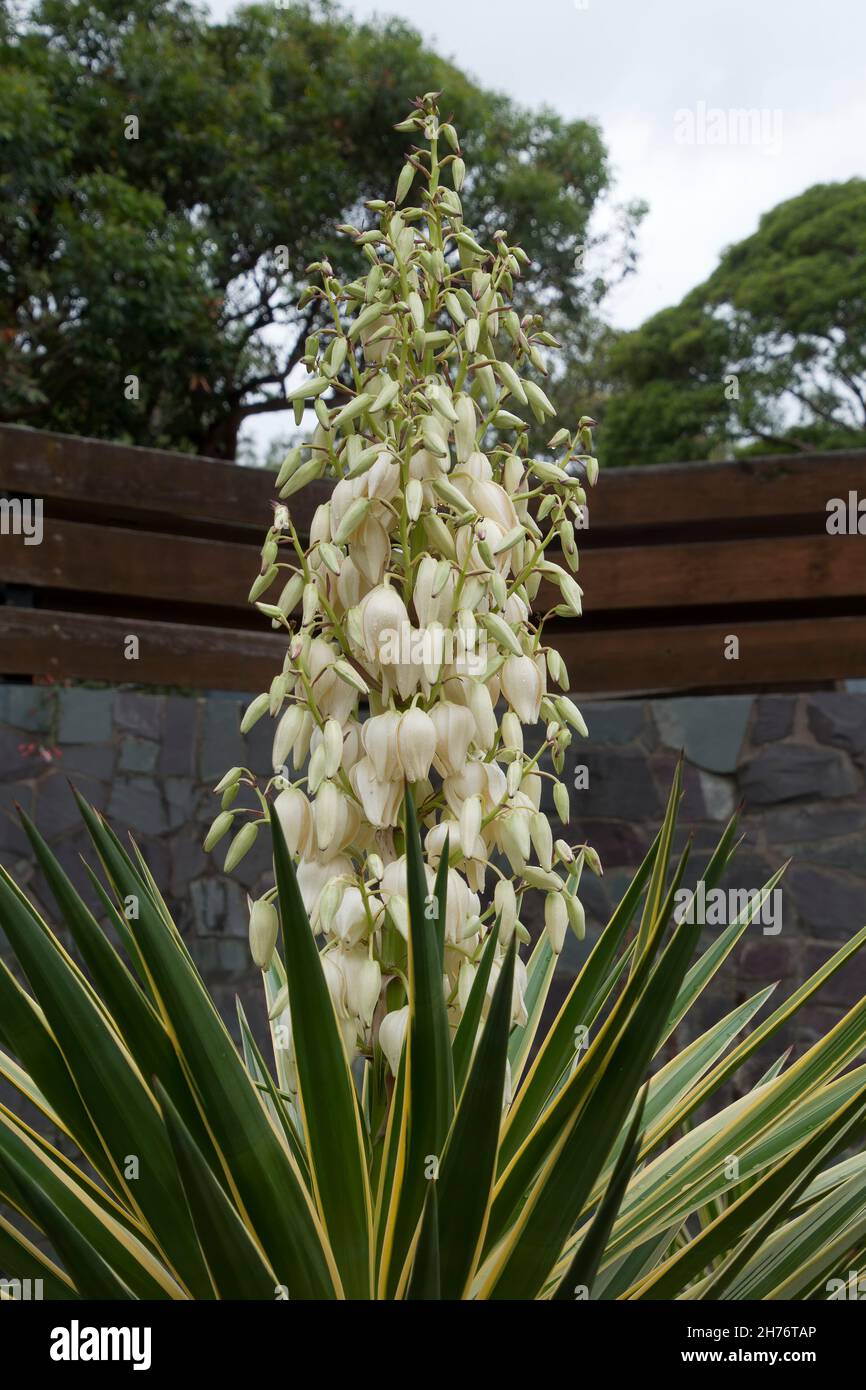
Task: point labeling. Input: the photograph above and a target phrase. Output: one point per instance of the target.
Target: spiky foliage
(196, 1173)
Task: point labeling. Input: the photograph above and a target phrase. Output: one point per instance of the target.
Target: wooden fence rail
(677, 560)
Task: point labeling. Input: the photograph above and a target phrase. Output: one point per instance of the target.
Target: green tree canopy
(165, 179)
(768, 354)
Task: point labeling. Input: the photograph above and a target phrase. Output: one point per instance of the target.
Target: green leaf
(424, 1284)
(807, 1249)
(557, 1049)
(26, 1033)
(328, 1101)
(235, 1261)
(765, 1030)
(569, 1175)
(539, 976)
(143, 1030)
(619, 1275)
(708, 964)
(75, 1176)
(760, 1128)
(93, 1278)
(515, 1182)
(753, 1215)
(278, 1108)
(584, 1267)
(19, 1259)
(121, 1107)
(472, 1144)
(656, 888)
(429, 1069)
(684, 1070)
(391, 1174)
(254, 1156)
(467, 1028)
(124, 1249)
(440, 895)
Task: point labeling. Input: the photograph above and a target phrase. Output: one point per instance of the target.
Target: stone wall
(149, 762)
(795, 765)
(795, 762)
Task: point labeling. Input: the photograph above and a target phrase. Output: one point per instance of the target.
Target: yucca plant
(186, 1169)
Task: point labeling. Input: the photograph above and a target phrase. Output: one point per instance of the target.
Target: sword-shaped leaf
(328, 1101)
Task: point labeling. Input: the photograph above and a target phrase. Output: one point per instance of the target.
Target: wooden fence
(677, 560)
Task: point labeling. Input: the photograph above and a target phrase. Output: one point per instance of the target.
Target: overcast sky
(638, 68)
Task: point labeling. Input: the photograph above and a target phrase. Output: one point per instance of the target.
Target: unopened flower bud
(593, 860)
(254, 712)
(219, 828)
(514, 834)
(241, 845)
(542, 839)
(575, 914)
(569, 711)
(316, 769)
(512, 732)
(232, 776)
(555, 920)
(545, 879)
(264, 929)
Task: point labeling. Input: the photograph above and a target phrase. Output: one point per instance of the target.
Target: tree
(769, 354)
(165, 178)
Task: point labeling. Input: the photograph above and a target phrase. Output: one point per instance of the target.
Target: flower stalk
(414, 656)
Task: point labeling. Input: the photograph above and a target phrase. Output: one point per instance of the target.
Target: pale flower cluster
(413, 610)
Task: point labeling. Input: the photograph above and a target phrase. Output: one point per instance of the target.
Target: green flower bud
(254, 711)
(405, 181)
(241, 845)
(264, 930)
(219, 828)
(262, 582)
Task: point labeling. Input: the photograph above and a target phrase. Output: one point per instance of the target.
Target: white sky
(633, 66)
